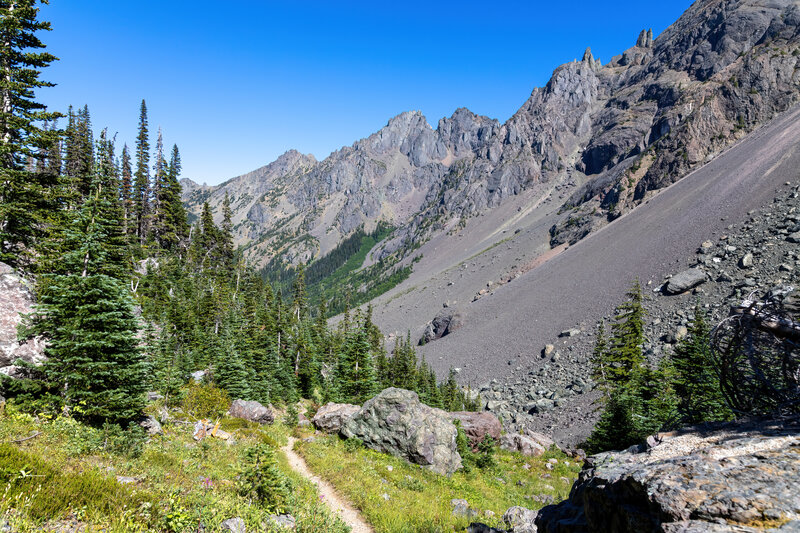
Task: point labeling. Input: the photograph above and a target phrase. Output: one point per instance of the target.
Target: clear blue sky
(235, 84)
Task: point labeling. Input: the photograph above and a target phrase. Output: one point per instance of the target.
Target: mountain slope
(614, 133)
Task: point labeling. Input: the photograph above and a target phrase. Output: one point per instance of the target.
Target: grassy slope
(60, 478)
(419, 500)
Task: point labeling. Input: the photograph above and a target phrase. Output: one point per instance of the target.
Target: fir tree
(355, 372)
(126, 189)
(696, 381)
(141, 184)
(24, 195)
(94, 361)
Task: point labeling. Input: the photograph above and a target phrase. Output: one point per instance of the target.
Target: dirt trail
(335, 502)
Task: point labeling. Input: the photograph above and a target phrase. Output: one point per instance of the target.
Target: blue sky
(235, 84)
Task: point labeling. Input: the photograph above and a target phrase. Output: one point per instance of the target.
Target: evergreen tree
(625, 352)
(696, 381)
(355, 372)
(176, 228)
(94, 361)
(24, 194)
(126, 190)
(226, 235)
(141, 184)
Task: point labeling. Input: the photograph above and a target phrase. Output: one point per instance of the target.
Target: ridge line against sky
(237, 86)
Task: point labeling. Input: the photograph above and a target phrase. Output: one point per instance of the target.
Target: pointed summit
(641, 42)
(587, 56)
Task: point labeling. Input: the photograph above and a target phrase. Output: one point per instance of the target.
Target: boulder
(725, 479)
(252, 411)
(478, 425)
(16, 300)
(528, 443)
(396, 422)
(233, 525)
(281, 521)
(151, 425)
(683, 281)
(520, 520)
(331, 416)
(444, 324)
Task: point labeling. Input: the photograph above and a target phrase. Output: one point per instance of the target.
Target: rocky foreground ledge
(736, 478)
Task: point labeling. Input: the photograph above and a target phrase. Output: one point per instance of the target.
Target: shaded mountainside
(655, 112)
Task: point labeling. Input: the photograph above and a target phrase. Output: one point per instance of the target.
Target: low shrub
(205, 400)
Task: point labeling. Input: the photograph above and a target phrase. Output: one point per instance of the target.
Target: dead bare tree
(757, 351)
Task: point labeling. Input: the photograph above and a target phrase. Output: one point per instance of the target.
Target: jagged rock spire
(645, 39)
(587, 56)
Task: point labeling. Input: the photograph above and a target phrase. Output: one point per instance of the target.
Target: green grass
(57, 477)
(419, 500)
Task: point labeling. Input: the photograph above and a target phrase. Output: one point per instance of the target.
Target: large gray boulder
(331, 416)
(693, 481)
(15, 300)
(683, 281)
(252, 411)
(396, 422)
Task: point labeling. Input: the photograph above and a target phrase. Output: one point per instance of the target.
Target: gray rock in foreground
(683, 281)
(331, 416)
(234, 525)
(725, 480)
(252, 411)
(396, 422)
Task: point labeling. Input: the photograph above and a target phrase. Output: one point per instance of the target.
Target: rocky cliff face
(15, 301)
(620, 131)
(733, 479)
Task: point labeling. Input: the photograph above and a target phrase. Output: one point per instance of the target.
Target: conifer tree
(226, 235)
(355, 372)
(24, 195)
(229, 369)
(627, 338)
(94, 361)
(126, 189)
(696, 381)
(141, 184)
(177, 228)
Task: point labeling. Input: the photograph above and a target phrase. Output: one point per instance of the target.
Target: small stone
(234, 525)
(746, 261)
(284, 521)
(126, 480)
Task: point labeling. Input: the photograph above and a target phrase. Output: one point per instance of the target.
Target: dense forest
(132, 298)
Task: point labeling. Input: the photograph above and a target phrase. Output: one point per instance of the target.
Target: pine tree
(696, 381)
(24, 195)
(141, 184)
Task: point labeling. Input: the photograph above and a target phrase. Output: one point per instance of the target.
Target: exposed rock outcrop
(396, 422)
(15, 300)
(737, 478)
(332, 416)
